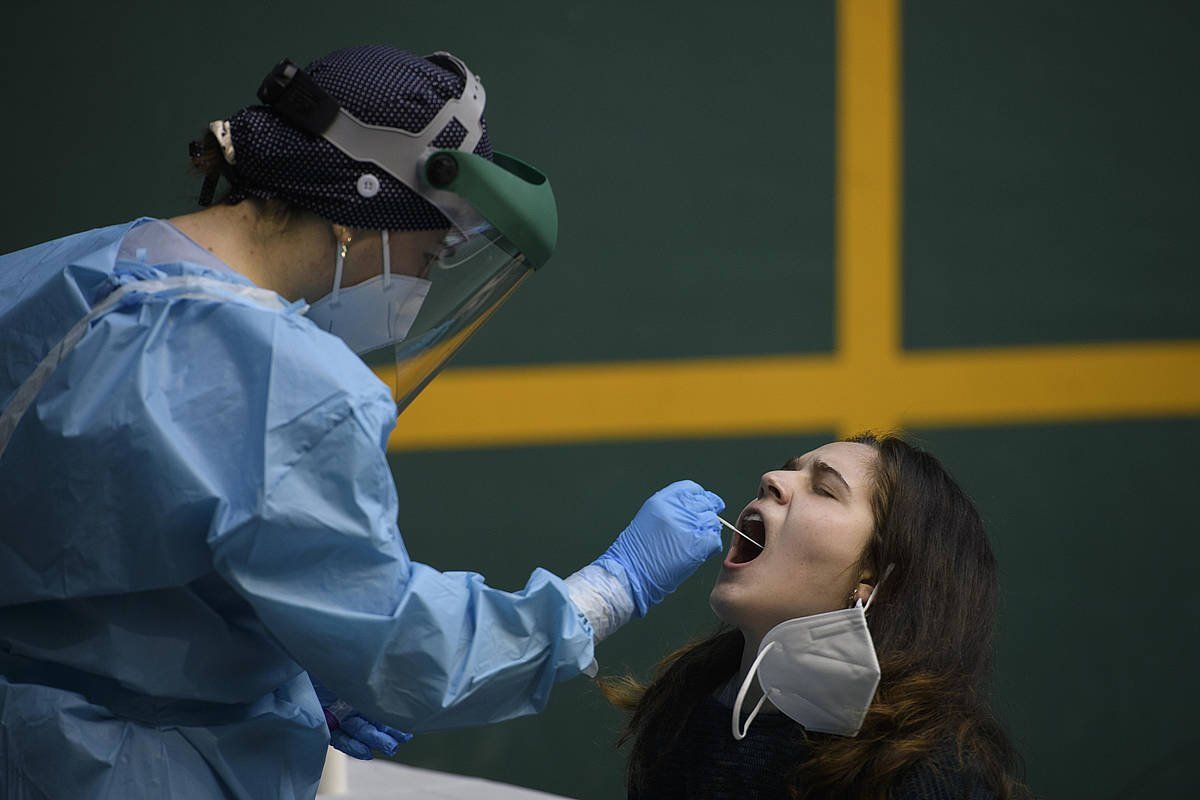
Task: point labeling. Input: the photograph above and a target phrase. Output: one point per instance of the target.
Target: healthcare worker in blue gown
(197, 518)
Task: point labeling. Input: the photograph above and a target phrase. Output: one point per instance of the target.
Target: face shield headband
(404, 155)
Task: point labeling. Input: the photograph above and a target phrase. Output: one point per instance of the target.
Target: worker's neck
(286, 256)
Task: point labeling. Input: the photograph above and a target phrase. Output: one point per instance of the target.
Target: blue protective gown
(196, 510)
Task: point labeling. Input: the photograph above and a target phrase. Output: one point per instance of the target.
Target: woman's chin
(723, 601)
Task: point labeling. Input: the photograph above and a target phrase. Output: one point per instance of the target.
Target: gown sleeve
(286, 429)
(324, 566)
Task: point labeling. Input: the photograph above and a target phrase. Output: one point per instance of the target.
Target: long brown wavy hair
(932, 624)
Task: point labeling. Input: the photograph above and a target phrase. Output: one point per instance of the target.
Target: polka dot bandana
(379, 85)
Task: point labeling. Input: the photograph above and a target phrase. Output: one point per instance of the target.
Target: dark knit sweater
(709, 764)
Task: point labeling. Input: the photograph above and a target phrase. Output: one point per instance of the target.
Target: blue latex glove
(675, 532)
(354, 734)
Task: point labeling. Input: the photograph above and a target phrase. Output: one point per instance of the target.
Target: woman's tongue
(744, 550)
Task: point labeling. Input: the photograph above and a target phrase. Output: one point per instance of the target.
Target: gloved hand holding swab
(739, 533)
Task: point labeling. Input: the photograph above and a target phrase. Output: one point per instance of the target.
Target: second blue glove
(354, 734)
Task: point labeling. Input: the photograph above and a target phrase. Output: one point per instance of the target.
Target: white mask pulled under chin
(372, 314)
(819, 670)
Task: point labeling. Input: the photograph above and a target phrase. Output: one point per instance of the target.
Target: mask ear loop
(886, 572)
(740, 734)
(387, 259)
(343, 242)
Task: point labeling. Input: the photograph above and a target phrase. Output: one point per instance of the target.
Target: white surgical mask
(372, 314)
(820, 670)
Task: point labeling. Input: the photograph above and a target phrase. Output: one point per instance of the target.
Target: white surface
(386, 780)
(333, 777)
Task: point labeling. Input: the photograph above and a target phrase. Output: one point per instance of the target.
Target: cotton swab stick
(739, 533)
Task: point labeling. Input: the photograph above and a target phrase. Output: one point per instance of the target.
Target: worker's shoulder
(318, 362)
(258, 338)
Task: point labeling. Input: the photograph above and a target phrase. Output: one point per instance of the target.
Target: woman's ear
(864, 587)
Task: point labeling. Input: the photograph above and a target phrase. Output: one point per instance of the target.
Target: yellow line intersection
(868, 382)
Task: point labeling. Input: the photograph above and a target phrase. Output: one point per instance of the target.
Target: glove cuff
(337, 711)
(602, 596)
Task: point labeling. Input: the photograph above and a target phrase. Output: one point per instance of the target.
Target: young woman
(831, 524)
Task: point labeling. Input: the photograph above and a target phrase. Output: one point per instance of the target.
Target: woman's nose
(772, 486)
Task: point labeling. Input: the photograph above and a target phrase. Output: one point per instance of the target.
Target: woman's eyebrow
(820, 467)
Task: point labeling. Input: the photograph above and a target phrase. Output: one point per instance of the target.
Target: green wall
(1049, 188)
(1050, 171)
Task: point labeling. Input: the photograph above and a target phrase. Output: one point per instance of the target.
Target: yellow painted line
(639, 400)
(1050, 384)
(706, 398)
(867, 238)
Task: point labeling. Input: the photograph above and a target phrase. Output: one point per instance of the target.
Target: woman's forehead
(853, 460)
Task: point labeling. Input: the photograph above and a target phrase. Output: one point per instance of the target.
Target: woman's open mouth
(742, 551)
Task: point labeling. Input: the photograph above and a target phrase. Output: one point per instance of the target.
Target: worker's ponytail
(209, 161)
